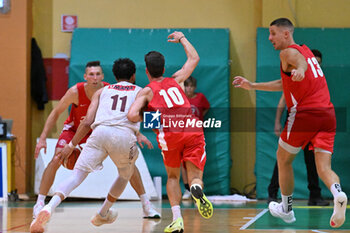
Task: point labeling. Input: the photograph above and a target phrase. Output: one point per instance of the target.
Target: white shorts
(117, 142)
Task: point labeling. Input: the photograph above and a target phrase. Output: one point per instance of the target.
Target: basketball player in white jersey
(113, 134)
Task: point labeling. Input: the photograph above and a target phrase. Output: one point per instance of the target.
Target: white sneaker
(37, 207)
(276, 210)
(42, 218)
(338, 216)
(150, 212)
(98, 220)
(187, 195)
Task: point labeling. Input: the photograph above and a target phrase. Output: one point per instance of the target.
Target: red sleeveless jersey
(176, 112)
(199, 104)
(312, 92)
(78, 112)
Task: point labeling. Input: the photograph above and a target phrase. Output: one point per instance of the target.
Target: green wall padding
(335, 48)
(212, 74)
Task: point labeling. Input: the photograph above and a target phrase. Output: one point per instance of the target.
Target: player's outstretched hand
(297, 75)
(175, 37)
(41, 144)
(143, 139)
(241, 82)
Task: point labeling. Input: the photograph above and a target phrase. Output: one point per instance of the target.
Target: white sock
(176, 212)
(335, 189)
(144, 199)
(54, 202)
(105, 208)
(287, 203)
(41, 199)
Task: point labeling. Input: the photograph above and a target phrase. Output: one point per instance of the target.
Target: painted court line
(13, 228)
(245, 226)
(316, 207)
(318, 231)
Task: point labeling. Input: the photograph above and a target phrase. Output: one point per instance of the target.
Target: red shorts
(316, 127)
(191, 148)
(66, 136)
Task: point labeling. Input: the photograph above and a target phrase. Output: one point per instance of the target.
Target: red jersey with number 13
(312, 92)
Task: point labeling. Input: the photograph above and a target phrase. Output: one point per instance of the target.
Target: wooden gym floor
(74, 216)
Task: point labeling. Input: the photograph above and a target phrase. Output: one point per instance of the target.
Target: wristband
(71, 145)
(181, 38)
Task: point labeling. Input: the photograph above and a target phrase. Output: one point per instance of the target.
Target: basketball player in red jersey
(311, 119)
(199, 103)
(79, 97)
(200, 106)
(166, 97)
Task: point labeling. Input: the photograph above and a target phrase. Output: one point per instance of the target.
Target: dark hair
(317, 53)
(123, 69)
(155, 63)
(191, 81)
(283, 22)
(92, 63)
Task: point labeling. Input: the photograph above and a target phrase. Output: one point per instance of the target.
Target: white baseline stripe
(318, 231)
(245, 226)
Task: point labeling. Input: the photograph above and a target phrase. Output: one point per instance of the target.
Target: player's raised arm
(141, 101)
(70, 97)
(241, 82)
(191, 53)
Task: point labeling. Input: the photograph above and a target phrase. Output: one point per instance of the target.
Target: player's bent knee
(172, 175)
(126, 173)
(126, 176)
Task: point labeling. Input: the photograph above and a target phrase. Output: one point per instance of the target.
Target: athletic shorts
(316, 127)
(190, 148)
(117, 142)
(66, 136)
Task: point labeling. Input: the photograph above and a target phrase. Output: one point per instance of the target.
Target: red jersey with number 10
(176, 112)
(310, 93)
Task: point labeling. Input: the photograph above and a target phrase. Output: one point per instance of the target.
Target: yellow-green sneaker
(204, 206)
(176, 226)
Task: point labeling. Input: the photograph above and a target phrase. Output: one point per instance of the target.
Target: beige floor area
(228, 218)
